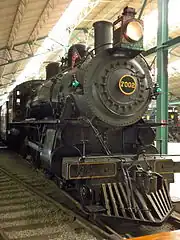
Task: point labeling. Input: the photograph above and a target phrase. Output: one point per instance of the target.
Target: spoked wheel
(86, 194)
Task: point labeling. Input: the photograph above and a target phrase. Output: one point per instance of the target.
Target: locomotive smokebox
(103, 33)
(52, 69)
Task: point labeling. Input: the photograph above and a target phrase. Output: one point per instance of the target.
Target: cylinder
(52, 69)
(103, 33)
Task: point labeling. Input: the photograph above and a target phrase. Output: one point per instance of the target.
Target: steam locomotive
(84, 125)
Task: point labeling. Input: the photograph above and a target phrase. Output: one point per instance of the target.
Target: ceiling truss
(28, 52)
(13, 33)
(27, 49)
(49, 7)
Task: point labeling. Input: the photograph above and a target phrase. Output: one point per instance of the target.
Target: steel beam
(142, 9)
(21, 43)
(10, 59)
(11, 73)
(166, 45)
(17, 22)
(24, 58)
(49, 7)
(174, 103)
(15, 27)
(162, 75)
(91, 5)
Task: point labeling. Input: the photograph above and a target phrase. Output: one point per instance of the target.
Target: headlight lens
(134, 31)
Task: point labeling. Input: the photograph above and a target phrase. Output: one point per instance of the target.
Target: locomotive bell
(75, 53)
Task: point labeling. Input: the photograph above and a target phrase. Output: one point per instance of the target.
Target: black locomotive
(85, 128)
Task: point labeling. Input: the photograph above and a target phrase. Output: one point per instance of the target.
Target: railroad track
(28, 213)
(29, 189)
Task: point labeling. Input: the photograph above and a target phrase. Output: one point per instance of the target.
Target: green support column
(162, 75)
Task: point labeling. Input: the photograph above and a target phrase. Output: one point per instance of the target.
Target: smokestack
(52, 69)
(103, 34)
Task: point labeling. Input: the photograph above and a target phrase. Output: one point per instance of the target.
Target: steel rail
(88, 225)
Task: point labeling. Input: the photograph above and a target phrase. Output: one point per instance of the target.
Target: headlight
(134, 31)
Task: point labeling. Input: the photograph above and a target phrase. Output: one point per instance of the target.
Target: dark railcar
(15, 110)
